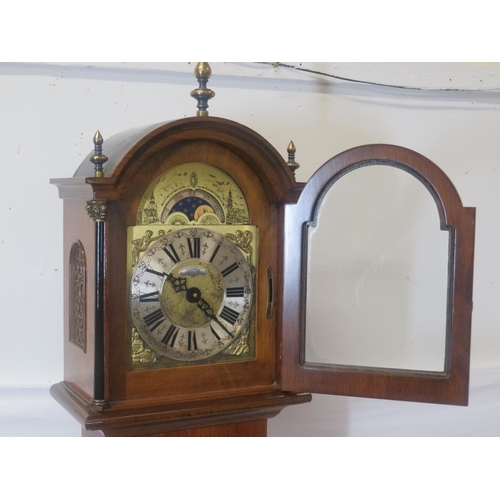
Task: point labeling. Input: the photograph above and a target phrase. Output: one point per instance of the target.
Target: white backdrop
(50, 113)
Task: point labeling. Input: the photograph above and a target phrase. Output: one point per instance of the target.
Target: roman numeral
(194, 247)
(238, 291)
(229, 269)
(171, 253)
(149, 297)
(217, 248)
(158, 273)
(154, 319)
(170, 336)
(229, 315)
(192, 344)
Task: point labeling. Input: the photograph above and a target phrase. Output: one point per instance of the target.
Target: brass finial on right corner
(202, 72)
(291, 157)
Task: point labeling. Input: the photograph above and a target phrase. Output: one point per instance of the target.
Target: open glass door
(378, 287)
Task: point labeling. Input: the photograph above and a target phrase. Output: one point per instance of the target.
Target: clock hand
(193, 295)
(179, 284)
(205, 307)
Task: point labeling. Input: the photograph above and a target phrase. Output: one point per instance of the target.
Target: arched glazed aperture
(377, 274)
(351, 252)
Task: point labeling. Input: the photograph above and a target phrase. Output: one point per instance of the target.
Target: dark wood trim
(99, 394)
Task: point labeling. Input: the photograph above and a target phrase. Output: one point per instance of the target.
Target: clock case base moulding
(229, 415)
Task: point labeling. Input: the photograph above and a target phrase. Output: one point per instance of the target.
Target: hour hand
(179, 284)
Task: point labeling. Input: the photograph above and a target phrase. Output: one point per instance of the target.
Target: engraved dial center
(202, 280)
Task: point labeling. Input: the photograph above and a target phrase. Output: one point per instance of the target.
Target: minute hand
(205, 307)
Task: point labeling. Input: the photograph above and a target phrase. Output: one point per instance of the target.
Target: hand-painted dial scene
(191, 293)
(193, 194)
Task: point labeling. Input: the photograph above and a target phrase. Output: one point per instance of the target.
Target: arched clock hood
(129, 150)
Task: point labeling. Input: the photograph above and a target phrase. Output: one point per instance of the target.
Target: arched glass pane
(377, 274)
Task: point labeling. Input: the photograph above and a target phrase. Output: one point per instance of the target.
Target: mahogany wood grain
(79, 365)
(146, 384)
(256, 428)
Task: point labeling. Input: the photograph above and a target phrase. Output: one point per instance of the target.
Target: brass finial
(98, 158)
(202, 72)
(291, 157)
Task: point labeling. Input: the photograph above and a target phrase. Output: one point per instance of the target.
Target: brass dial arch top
(193, 193)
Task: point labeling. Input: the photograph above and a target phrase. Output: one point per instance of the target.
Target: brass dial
(191, 294)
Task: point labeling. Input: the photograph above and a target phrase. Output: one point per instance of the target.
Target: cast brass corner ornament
(242, 240)
(96, 210)
(140, 245)
(141, 354)
(240, 346)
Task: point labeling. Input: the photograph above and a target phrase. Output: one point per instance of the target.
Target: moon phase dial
(191, 294)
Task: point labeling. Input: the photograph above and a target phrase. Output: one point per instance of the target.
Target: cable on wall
(352, 80)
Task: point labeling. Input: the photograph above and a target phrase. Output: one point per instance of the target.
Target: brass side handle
(270, 292)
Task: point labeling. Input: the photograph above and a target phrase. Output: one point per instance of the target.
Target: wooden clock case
(236, 398)
(160, 401)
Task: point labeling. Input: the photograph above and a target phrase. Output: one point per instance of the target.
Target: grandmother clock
(186, 282)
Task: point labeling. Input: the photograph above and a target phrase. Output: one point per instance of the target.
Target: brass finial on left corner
(202, 72)
(291, 150)
(98, 158)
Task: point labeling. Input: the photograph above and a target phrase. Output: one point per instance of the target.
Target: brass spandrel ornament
(140, 245)
(243, 239)
(140, 354)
